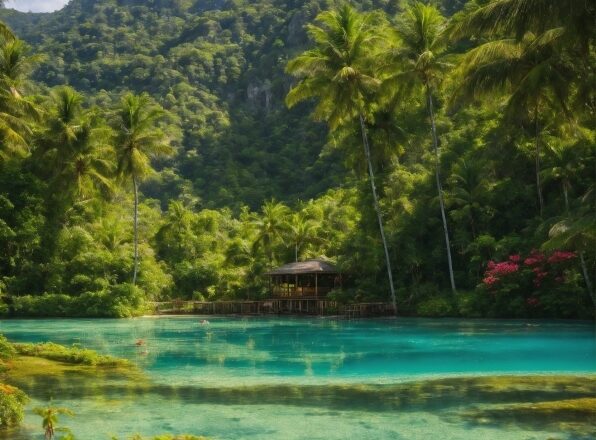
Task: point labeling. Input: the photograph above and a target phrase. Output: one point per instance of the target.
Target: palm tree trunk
(136, 231)
(439, 186)
(587, 277)
(537, 159)
(566, 195)
(378, 211)
(296, 251)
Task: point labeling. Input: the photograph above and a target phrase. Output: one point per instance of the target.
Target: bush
(471, 304)
(538, 286)
(119, 301)
(7, 351)
(435, 307)
(70, 355)
(12, 403)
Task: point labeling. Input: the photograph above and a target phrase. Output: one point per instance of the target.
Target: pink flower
(560, 256)
(534, 258)
(490, 280)
(533, 301)
(514, 258)
(504, 268)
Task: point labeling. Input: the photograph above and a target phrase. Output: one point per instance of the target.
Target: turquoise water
(264, 378)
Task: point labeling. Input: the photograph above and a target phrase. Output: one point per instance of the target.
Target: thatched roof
(305, 267)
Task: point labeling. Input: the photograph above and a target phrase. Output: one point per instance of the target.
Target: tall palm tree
(89, 166)
(517, 17)
(301, 231)
(16, 110)
(178, 229)
(271, 226)
(530, 73)
(140, 139)
(417, 60)
(338, 73)
(468, 189)
(77, 147)
(563, 166)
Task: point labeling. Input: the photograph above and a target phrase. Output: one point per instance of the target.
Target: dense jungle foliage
(243, 130)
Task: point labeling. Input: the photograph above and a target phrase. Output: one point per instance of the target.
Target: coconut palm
(532, 76)
(301, 231)
(564, 165)
(416, 61)
(140, 139)
(468, 190)
(16, 111)
(77, 147)
(338, 73)
(178, 229)
(271, 226)
(517, 17)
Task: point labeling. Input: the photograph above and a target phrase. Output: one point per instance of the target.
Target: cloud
(36, 5)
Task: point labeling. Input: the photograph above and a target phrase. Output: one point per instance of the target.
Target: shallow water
(313, 378)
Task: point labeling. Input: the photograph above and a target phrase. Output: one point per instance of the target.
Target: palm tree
(177, 228)
(89, 166)
(338, 73)
(49, 417)
(139, 139)
(468, 189)
(417, 60)
(517, 17)
(271, 226)
(577, 233)
(301, 231)
(15, 110)
(529, 72)
(77, 147)
(563, 166)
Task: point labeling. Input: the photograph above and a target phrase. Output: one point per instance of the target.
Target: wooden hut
(304, 279)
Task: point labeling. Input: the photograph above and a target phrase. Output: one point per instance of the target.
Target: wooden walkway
(273, 306)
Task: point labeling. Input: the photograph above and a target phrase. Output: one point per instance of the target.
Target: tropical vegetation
(180, 149)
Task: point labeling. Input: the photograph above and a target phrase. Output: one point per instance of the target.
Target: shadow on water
(563, 404)
(428, 395)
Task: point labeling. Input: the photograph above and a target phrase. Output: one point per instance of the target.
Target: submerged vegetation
(460, 136)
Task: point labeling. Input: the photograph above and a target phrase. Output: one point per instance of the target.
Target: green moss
(569, 415)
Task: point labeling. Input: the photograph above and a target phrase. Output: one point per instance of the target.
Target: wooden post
(316, 286)
(296, 285)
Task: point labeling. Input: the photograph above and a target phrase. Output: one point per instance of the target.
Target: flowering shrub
(539, 284)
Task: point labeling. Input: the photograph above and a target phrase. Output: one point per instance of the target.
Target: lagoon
(315, 378)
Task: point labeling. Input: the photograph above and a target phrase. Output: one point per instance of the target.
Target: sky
(36, 5)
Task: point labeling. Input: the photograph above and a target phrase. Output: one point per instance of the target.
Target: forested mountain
(219, 66)
(480, 130)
